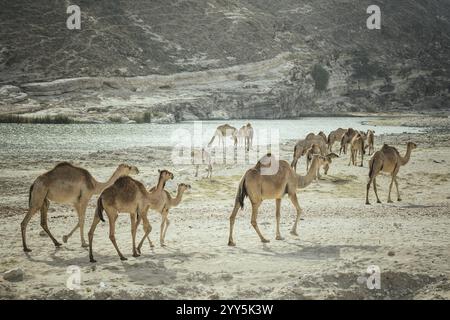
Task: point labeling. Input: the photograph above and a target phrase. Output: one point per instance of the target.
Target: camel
(128, 195)
(249, 136)
(323, 135)
(334, 136)
(169, 203)
(302, 146)
(314, 149)
(66, 184)
(330, 158)
(387, 160)
(357, 146)
(224, 131)
(346, 139)
(261, 185)
(370, 141)
(241, 135)
(202, 157)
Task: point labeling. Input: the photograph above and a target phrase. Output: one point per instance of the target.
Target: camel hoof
(265, 241)
(123, 258)
(84, 245)
(65, 238)
(231, 243)
(294, 233)
(378, 201)
(92, 260)
(57, 244)
(399, 199)
(136, 255)
(162, 244)
(279, 238)
(27, 250)
(367, 203)
(390, 201)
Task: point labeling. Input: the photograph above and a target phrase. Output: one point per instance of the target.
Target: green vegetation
(58, 119)
(364, 69)
(320, 76)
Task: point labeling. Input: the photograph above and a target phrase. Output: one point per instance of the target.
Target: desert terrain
(339, 236)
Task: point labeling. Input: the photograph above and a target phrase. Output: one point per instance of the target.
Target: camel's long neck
(404, 160)
(100, 186)
(304, 181)
(176, 201)
(161, 184)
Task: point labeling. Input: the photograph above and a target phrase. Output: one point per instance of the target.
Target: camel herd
(270, 178)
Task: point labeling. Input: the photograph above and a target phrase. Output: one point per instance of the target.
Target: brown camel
(261, 185)
(334, 136)
(370, 141)
(224, 131)
(387, 160)
(330, 158)
(314, 149)
(169, 203)
(302, 146)
(357, 146)
(66, 184)
(346, 139)
(127, 195)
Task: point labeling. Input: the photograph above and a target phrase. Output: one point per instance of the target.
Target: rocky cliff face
(220, 58)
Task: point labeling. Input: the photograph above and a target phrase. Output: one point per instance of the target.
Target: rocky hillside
(188, 59)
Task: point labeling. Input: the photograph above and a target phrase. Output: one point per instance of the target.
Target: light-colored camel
(357, 146)
(346, 139)
(303, 145)
(127, 195)
(169, 203)
(66, 184)
(202, 156)
(335, 135)
(272, 183)
(370, 141)
(224, 131)
(241, 135)
(387, 160)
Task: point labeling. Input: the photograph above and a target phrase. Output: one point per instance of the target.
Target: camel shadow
(308, 252)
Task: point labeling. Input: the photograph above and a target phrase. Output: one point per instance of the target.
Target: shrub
(58, 119)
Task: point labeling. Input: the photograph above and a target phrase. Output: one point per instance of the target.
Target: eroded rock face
(11, 94)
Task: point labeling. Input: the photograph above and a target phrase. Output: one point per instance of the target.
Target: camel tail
(294, 160)
(371, 168)
(242, 193)
(363, 147)
(29, 195)
(99, 209)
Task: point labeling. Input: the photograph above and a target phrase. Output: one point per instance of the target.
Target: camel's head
(165, 175)
(411, 145)
(249, 125)
(331, 156)
(126, 170)
(183, 187)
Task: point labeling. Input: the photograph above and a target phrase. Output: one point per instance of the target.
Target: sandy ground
(339, 236)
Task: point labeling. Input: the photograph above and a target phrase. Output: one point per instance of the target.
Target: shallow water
(85, 138)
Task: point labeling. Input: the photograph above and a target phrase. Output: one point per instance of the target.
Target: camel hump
(69, 166)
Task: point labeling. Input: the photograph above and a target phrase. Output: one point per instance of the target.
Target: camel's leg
(147, 230)
(368, 189)
(23, 227)
(161, 232)
(375, 189)
(165, 229)
(362, 157)
(133, 232)
(294, 201)
(91, 236)
(278, 214)
(307, 164)
(67, 236)
(81, 210)
(390, 189)
(112, 217)
(196, 170)
(396, 186)
(44, 225)
(255, 207)
(350, 159)
(232, 220)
